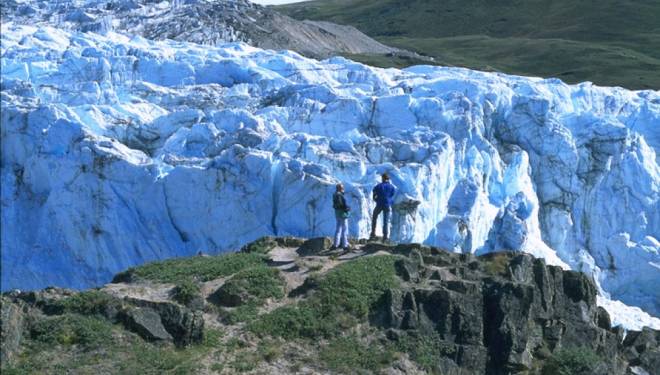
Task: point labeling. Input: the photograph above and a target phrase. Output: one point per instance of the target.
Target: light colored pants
(387, 211)
(341, 233)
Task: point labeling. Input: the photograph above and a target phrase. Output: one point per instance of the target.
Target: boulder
(184, 326)
(229, 297)
(314, 246)
(147, 323)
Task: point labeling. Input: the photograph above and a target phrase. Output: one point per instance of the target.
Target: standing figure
(342, 212)
(383, 194)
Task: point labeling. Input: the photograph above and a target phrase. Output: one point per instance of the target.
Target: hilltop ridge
(289, 305)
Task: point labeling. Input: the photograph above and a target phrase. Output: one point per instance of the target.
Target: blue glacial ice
(119, 150)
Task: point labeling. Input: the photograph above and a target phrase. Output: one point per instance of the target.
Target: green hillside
(609, 42)
(285, 305)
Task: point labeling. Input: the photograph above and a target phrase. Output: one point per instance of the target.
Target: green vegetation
(343, 297)
(246, 359)
(242, 313)
(73, 329)
(200, 268)
(425, 348)
(92, 302)
(572, 361)
(256, 284)
(269, 350)
(249, 289)
(497, 263)
(609, 42)
(89, 345)
(186, 291)
(349, 355)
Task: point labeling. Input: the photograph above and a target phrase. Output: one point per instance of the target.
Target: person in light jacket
(342, 213)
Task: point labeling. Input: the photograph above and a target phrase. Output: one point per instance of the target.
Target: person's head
(340, 187)
(385, 177)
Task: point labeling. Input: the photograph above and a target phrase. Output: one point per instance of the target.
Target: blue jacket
(383, 194)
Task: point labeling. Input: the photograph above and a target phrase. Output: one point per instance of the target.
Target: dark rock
(314, 246)
(290, 241)
(373, 247)
(603, 319)
(46, 299)
(147, 323)
(578, 287)
(309, 284)
(226, 298)
(185, 326)
(127, 277)
(263, 245)
(197, 303)
(408, 269)
(642, 349)
(503, 316)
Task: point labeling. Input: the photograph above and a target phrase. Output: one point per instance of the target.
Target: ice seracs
(119, 150)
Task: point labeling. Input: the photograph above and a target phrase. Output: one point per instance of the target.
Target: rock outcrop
(501, 313)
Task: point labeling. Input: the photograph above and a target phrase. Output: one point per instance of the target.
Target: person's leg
(338, 232)
(374, 221)
(344, 234)
(386, 222)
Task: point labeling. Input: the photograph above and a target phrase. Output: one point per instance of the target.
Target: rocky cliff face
(285, 305)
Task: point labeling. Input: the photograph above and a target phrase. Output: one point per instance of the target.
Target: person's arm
(374, 195)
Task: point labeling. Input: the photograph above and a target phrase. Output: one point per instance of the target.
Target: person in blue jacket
(383, 194)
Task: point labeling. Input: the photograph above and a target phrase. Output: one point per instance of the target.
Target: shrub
(269, 350)
(201, 268)
(245, 361)
(347, 355)
(243, 313)
(497, 264)
(92, 302)
(70, 329)
(144, 358)
(212, 338)
(343, 297)
(186, 291)
(256, 283)
(573, 361)
(425, 348)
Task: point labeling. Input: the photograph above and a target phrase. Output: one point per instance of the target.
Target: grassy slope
(610, 42)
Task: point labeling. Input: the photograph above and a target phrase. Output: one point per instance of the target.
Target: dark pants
(386, 221)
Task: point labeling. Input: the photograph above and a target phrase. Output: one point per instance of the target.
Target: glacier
(118, 150)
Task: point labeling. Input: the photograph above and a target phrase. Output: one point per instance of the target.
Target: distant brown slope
(202, 21)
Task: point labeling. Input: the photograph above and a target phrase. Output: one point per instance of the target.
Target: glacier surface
(119, 150)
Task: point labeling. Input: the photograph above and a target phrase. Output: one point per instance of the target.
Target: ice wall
(117, 151)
